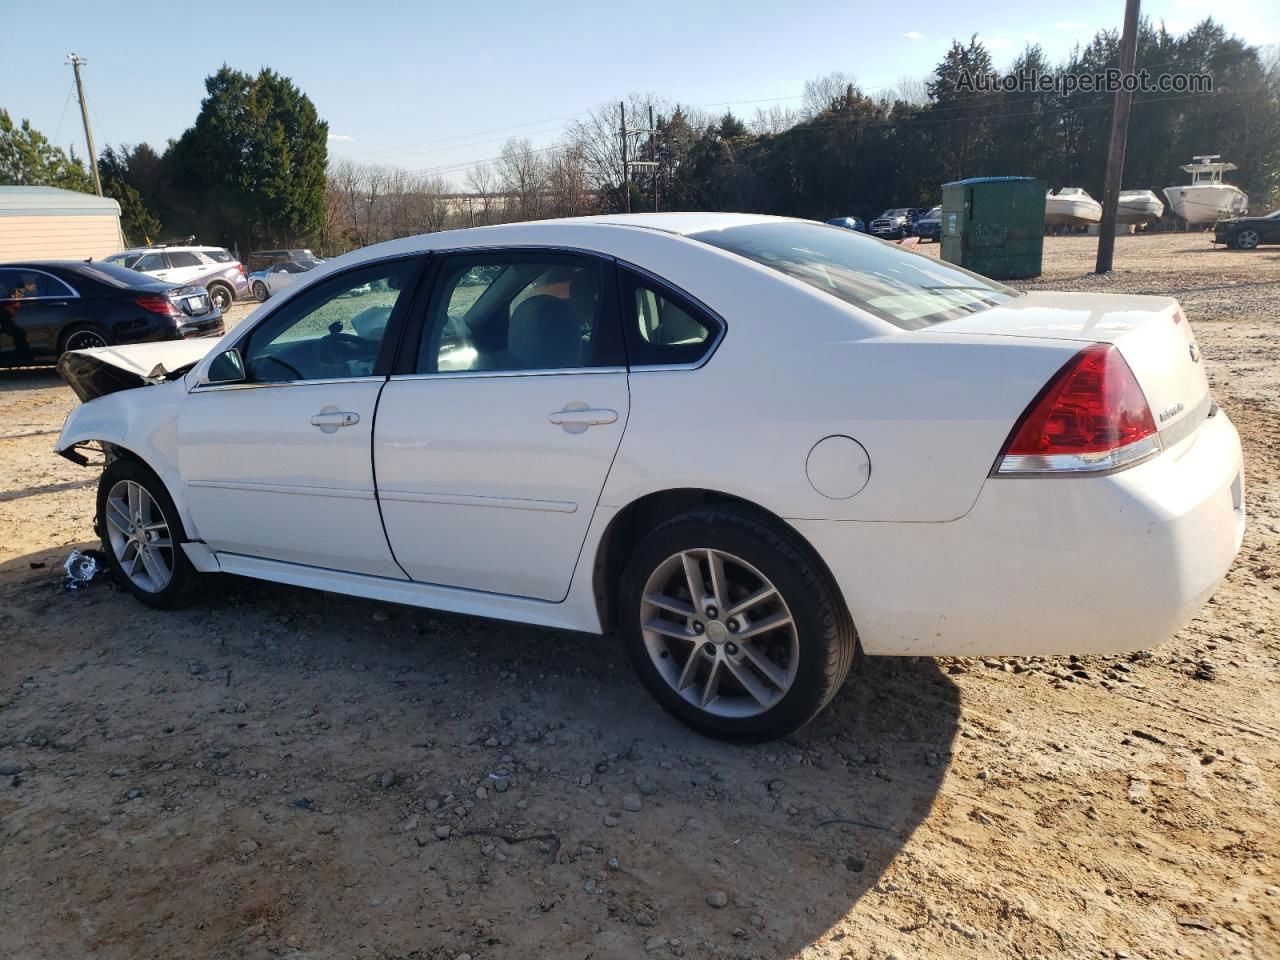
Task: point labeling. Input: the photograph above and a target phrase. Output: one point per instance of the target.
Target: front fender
(142, 422)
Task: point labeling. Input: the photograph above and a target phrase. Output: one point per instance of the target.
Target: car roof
(177, 246)
(43, 264)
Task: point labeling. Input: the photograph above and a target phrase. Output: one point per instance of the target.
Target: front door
(493, 445)
(279, 465)
(33, 308)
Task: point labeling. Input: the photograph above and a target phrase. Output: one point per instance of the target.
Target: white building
(46, 223)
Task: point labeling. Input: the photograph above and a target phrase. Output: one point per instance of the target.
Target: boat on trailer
(1207, 198)
(1071, 207)
(1138, 207)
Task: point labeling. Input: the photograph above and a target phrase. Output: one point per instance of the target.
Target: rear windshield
(117, 276)
(909, 290)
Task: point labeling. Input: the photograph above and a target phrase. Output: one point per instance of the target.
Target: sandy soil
(287, 774)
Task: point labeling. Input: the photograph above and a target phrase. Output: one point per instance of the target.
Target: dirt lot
(281, 773)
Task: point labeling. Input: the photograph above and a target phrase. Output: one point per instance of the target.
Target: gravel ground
(287, 774)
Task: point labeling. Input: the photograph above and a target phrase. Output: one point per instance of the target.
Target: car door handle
(331, 420)
(582, 417)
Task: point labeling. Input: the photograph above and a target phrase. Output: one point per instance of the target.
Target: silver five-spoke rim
(1248, 239)
(139, 536)
(719, 632)
(85, 340)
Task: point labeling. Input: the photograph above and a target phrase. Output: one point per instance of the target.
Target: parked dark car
(849, 223)
(1245, 233)
(929, 226)
(49, 306)
(259, 260)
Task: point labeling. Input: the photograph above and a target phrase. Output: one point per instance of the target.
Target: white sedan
(273, 279)
(750, 446)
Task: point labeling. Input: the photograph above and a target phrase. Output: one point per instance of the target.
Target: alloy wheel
(719, 633)
(1247, 239)
(220, 298)
(139, 536)
(85, 340)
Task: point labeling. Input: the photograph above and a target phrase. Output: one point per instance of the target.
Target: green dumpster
(994, 225)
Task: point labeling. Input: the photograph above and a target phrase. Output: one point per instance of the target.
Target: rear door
(185, 267)
(494, 441)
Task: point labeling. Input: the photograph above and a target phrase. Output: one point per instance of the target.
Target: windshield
(934, 214)
(909, 290)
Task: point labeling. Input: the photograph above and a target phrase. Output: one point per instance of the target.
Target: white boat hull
(1207, 202)
(1138, 207)
(1072, 211)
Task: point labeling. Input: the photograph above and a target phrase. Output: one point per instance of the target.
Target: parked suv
(894, 224)
(213, 268)
(929, 226)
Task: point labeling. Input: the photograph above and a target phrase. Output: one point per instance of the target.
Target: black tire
(828, 642)
(260, 290)
(83, 336)
(221, 295)
(185, 581)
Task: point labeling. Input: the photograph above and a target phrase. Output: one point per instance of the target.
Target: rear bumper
(203, 328)
(1044, 566)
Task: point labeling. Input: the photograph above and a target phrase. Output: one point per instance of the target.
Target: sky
(435, 87)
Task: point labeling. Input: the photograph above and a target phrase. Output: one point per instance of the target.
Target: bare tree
(523, 175)
(912, 90)
(774, 120)
(481, 183)
(569, 191)
(821, 93)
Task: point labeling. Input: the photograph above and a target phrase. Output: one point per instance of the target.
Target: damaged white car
(751, 446)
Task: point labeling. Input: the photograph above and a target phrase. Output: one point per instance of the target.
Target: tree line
(253, 168)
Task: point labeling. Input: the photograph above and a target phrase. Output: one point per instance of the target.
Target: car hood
(102, 370)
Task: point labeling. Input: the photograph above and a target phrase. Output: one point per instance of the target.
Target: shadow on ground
(281, 772)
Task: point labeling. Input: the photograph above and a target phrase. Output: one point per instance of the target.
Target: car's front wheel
(734, 627)
(1245, 239)
(142, 536)
(260, 290)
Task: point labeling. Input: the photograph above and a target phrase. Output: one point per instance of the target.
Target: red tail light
(1091, 417)
(240, 267)
(158, 304)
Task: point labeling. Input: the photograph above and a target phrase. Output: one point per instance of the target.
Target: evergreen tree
(27, 158)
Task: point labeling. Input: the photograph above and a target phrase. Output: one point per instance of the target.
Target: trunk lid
(1151, 333)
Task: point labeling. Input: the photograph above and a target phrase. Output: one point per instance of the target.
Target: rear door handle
(582, 417)
(329, 420)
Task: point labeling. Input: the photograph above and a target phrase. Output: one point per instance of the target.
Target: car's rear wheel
(1245, 239)
(260, 290)
(221, 296)
(732, 624)
(85, 337)
(142, 536)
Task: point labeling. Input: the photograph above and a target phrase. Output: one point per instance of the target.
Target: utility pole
(1119, 135)
(77, 62)
(653, 155)
(626, 172)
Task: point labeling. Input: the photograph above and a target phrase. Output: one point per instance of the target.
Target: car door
(33, 308)
(277, 461)
(186, 267)
(494, 440)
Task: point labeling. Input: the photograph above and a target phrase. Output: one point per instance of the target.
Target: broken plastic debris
(81, 567)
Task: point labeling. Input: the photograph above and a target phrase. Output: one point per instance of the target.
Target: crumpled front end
(103, 370)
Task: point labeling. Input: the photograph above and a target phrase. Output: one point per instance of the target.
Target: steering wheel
(338, 348)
